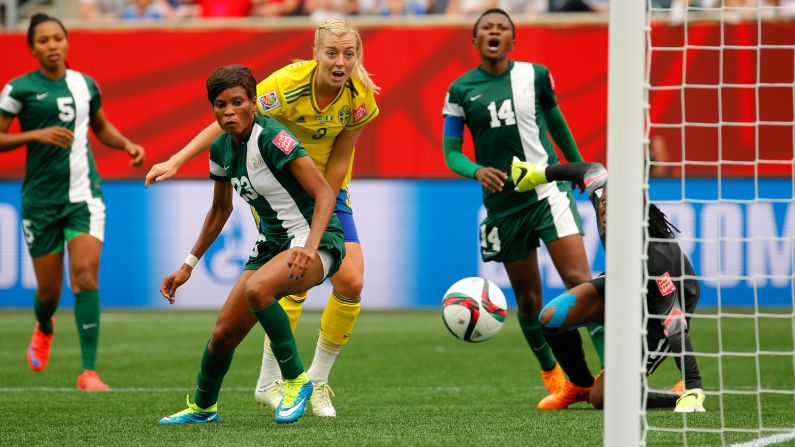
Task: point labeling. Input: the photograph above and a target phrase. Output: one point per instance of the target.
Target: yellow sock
(339, 317)
(293, 306)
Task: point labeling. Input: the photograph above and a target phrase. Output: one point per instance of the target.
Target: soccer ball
(474, 309)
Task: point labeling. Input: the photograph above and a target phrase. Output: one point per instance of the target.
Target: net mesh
(720, 91)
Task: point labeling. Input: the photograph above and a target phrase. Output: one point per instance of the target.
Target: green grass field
(403, 380)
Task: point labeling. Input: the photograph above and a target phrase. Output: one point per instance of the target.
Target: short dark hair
(493, 11)
(230, 76)
(37, 20)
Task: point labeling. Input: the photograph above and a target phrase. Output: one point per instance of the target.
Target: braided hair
(659, 225)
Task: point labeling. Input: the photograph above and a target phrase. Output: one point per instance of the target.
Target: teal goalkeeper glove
(527, 176)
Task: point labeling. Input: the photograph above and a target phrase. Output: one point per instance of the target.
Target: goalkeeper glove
(527, 176)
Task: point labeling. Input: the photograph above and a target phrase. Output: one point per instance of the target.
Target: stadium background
(417, 222)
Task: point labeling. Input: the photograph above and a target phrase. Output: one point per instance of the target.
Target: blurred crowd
(323, 9)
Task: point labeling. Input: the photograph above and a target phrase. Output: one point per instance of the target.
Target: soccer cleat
(554, 379)
(678, 388)
(321, 401)
(193, 415)
(90, 381)
(296, 396)
(270, 395)
(691, 401)
(570, 394)
(39, 348)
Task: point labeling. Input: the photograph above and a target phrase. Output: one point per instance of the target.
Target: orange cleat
(90, 381)
(678, 388)
(554, 379)
(39, 349)
(570, 394)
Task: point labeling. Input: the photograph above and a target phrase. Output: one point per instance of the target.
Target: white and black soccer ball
(474, 309)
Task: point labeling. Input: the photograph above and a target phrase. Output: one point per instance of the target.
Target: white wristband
(191, 260)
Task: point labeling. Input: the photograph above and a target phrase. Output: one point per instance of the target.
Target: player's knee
(545, 318)
(350, 284)
(47, 293)
(85, 277)
(529, 302)
(223, 341)
(258, 295)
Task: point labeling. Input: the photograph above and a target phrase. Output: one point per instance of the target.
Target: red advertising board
(152, 82)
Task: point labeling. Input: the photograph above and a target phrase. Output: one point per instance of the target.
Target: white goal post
(625, 136)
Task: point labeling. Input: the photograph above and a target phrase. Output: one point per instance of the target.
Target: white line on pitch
(768, 440)
(46, 389)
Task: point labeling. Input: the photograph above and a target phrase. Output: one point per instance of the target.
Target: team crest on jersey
(344, 115)
(285, 142)
(360, 113)
(254, 162)
(269, 101)
(665, 284)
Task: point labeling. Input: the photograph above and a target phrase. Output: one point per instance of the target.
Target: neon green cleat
(692, 401)
(296, 396)
(193, 415)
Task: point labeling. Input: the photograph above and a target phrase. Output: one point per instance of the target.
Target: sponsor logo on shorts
(360, 113)
(665, 284)
(285, 142)
(269, 101)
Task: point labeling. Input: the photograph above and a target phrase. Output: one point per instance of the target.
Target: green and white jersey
(258, 172)
(54, 175)
(505, 118)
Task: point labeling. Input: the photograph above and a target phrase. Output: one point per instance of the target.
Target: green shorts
(332, 242)
(48, 226)
(513, 237)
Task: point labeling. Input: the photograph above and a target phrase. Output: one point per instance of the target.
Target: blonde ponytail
(339, 28)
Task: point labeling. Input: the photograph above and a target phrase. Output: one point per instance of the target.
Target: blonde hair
(339, 28)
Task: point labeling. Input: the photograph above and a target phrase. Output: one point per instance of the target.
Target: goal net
(719, 139)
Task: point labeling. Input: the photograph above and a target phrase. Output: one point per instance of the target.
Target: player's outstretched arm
(199, 144)
(216, 218)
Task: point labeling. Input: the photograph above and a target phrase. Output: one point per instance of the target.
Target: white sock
(269, 372)
(325, 354)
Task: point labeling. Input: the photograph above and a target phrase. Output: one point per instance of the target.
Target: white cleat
(321, 401)
(270, 395)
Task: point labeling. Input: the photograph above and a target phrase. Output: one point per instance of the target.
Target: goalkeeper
(671, 292)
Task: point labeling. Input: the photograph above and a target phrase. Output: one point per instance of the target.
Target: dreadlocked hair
(659, 225)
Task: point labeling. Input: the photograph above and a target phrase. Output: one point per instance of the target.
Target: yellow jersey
(288, 95)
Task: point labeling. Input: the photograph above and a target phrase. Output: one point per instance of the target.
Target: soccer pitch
(403, 380)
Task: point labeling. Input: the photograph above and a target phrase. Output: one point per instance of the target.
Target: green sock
(211, 376)
(534, 335)
(44, 313)
(598, 339)
(87, 319)
(276, 324)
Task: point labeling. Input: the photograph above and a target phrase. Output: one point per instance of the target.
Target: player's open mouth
(338, 75)
(494, 44)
